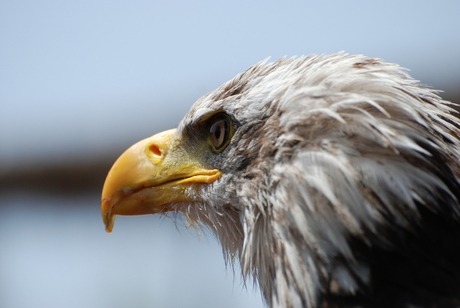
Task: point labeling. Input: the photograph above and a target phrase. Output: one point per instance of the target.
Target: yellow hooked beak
(149, 176)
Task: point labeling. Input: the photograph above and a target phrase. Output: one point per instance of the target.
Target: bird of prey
(333, 179)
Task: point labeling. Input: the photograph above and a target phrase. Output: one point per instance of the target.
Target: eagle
(334, 180)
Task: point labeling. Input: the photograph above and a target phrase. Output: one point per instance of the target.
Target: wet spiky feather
(343, 171)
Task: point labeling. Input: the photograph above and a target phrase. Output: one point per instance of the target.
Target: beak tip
(107, 216)
(109, 221)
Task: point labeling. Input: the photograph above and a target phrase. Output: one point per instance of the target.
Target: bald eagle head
(333, 179)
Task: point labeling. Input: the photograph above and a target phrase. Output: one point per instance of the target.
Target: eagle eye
(220, 131)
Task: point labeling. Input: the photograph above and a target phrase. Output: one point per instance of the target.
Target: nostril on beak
(155, 150)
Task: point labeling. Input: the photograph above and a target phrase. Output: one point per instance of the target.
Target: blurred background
(80, 81)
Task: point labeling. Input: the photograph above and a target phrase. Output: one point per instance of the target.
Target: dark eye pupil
(218, 133)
